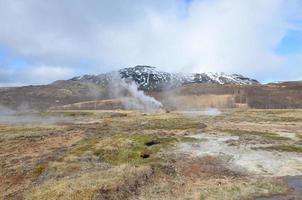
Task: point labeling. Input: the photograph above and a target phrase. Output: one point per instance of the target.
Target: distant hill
(239, 89)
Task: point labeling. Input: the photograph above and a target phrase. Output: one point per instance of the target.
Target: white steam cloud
(132, 98)
(24, 116)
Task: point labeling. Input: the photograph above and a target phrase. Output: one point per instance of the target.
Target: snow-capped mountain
(149, 78)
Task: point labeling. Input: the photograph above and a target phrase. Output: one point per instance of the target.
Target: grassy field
(131, 155)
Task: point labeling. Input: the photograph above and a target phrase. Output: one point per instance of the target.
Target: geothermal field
(124, 154)
(150, 99)
(81, 139)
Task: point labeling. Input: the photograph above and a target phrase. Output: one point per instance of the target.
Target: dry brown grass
(101, 157)
(189, 102)
(243, 189)
(105, 184)
(22, 147)
(109, 104)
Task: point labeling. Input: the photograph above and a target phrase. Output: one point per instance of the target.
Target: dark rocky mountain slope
(149, 78)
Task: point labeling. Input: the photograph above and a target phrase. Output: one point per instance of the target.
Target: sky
(44, 41)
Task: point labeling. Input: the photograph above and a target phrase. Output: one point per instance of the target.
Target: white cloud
(51, 72)
(34, 75)
(207, 35)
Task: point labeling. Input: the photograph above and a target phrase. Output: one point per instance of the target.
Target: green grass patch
(273, 136)
(244, 189)
(66, 114)
(171, 123)
(39, 170)
(141, 123)
(299, 135)
(285, 148)
(84, 146)
(87, 185)
(266, 135)
(23, 132)
(290, 119)
(132, 149)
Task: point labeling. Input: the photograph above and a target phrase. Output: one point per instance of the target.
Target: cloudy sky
(42, 41)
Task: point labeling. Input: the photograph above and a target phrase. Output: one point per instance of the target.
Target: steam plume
(22, 115)
(131, 97)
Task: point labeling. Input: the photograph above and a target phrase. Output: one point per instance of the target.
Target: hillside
(44, 96)
(175, 90)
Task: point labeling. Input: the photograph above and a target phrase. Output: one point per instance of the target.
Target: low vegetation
(106, 183)
(126, 154)
(285, 148)
(265, 135)
(132, 149)
(25, 132)
(244, 189)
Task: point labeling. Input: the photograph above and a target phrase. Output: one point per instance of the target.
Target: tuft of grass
(285, 148)
(25, 132)
(276, 137)
(85, 146)
(90, 184)
(266, 135)
(299, 135)
(265, 115)
(39, 170)
(151, 122)
(244, 189)
(121, 149)
(172, 123)
(67, 113)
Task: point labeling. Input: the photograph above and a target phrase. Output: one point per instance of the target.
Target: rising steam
(23, 115)
(131, 97)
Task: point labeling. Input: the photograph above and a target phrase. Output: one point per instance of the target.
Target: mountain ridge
(149, 78)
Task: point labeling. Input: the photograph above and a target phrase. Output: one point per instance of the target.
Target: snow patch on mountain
(149, 78)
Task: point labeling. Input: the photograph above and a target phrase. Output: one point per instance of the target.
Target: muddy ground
(228, 154)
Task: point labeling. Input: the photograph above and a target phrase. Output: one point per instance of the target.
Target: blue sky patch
(291, 43)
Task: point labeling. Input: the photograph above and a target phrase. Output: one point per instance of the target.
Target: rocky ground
(228, 154)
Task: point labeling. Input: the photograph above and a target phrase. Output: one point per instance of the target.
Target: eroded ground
(233, 154)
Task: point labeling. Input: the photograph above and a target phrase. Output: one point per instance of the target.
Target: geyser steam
(131, 97)
(23, 115)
